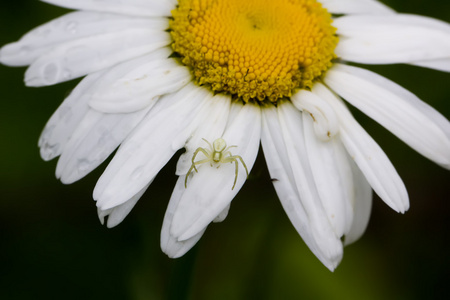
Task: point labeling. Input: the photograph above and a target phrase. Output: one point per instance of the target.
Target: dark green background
(52, 245)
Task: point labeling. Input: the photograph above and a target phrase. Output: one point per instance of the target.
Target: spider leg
(194, 168)
(195, 155)
(187, 175)
(236, 157)
(209, 144)
(228, 148)
(227, 153)
(235, 174)
(199, 162)
(243, 163)
(232, 159)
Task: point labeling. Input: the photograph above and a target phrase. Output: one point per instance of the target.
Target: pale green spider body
(218, 153)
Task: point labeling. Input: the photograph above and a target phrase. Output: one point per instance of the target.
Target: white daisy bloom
(216, 78)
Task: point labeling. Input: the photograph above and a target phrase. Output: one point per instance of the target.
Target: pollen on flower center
(254, 49)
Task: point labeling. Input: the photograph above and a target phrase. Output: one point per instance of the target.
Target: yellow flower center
(254, 49)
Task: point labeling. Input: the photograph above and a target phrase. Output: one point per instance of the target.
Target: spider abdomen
(217, 156)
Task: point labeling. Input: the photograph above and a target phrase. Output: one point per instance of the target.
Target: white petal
(331, 168)
(175, 249)
(436, 64)
(72, 26)
(401, 112)
(66, 118)
(356, 7)
(326, 165)
(151, 145)
(86, 55)
(117, 214)
(212, 128)
(148, 8)
(156, 58)
(223, 215)
(326, 123)
(234, 112)
(169, 244)
(323, 243)
(361, 207)
(294, 139)
(210, 191)
(391, 39)
(349, 24)
(369, 157)
(154, 77)
(95, 138)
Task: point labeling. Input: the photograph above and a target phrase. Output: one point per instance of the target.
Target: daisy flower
(219, 77)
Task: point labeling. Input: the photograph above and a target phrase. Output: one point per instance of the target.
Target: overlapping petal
(292, 179)
(66, 118)
(356, 7)
(212, 128)
(332, 178)
(148, 8)
(169, 243)
(95, 138)
(165, 130)
(369, 157)
(400, 111)
(87, 55)
(72, 26)
(326, 124)
(210, 190)
(362, 205)
(388, 39)
(137, 83)
(118, 213)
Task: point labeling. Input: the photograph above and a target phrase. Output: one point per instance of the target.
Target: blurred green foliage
(53, 247)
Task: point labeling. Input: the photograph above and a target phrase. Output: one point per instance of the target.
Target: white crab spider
(218, 154)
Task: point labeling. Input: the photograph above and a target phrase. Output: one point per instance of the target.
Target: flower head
(218, 77)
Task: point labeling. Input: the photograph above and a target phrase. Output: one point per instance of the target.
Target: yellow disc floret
(254, 49)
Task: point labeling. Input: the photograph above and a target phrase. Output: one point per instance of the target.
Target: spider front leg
(194, 163)
(211, 148)
(200, 149)
(228, 148)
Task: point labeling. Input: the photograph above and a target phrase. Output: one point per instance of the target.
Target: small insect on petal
(217, 153)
